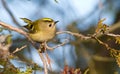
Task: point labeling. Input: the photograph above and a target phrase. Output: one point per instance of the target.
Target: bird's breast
(41, 37)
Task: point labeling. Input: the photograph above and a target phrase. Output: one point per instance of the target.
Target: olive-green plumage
(41, 30)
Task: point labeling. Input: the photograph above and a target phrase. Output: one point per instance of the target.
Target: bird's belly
(41, 37)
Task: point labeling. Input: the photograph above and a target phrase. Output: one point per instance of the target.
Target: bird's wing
(29, 26)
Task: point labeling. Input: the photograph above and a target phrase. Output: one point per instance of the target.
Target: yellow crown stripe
(47, 19)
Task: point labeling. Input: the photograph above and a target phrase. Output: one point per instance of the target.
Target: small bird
(41, 30)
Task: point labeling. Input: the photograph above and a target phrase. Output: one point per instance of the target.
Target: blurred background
(80, 16)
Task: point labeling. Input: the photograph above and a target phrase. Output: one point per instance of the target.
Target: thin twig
(105, 44)
(52, 48)
(102, 59)
(48, 60)
(113, 35)
(17, 30)
(19, 49)
(44, 61)
(74, 34)
(114, 27)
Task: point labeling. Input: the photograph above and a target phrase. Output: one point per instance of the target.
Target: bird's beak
(56, 22)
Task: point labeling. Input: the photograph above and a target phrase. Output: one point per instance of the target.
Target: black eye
(50, 25)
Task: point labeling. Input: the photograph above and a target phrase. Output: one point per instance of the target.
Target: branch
(106, 45)
(17, 30)
(19, 49)
(52, 48)
(44, 61)
(102, 58)
(114, 26)
(113, 35)
(75, 34)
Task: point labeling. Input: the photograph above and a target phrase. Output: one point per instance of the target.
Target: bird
(41, 30)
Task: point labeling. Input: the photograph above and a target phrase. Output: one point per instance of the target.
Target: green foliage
(28, 71)
(117, 40)
(113, 52)
(8, 39)
(116, 54)
(8, 68)
(101, 28)
(36, 67)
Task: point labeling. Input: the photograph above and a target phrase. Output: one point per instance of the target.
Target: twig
(51, 48)
(102, 43)
(17, 30)
(102, 59)
(75, 34)
(86, 71)
(44, 61)
(113, 35)
(105, 44)
(114, 27)
(48, 60)
(19, 49)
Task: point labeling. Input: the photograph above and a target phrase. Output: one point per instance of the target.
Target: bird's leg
(42, 47)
